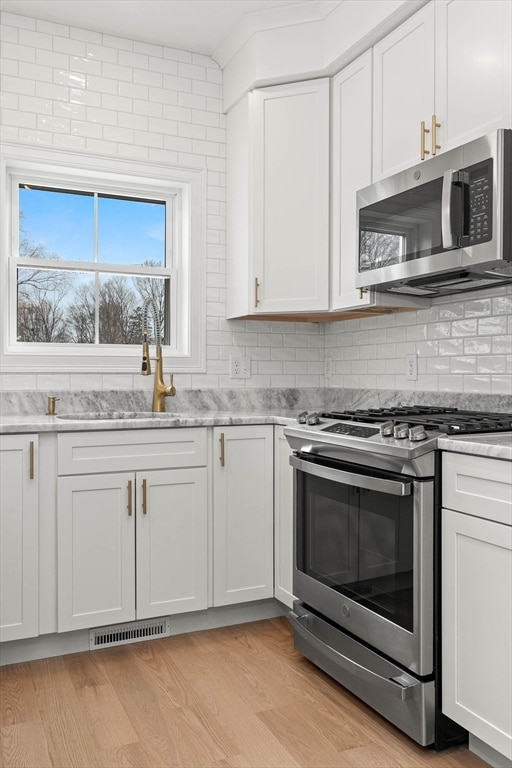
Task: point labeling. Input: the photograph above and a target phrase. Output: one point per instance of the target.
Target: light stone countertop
(29, 423)
(493, 445)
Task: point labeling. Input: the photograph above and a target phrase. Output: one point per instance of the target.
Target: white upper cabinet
(403, 93)
(291, 197)
(351, 170)
(278, 200)
(440, 79)
(473, 69)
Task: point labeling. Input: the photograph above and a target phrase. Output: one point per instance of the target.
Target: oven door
(363, 555)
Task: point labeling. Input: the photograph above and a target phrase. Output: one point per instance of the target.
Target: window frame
(185, 188)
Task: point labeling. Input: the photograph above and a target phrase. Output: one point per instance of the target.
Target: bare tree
(378, 249)
(41, 297)
(81, 315)
(117, 303)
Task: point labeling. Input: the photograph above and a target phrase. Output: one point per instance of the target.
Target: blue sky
(129, 231)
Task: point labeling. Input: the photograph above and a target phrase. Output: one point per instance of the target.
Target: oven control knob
(301, 418)
(401, 431)
(313, 418)
(345, 610)
(386, 429)
(417, 433)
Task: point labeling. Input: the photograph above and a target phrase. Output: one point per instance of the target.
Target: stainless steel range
(366, 555)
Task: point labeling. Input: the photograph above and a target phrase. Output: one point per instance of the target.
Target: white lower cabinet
(95, 550)
(131, 545)
(19, 537)
(283, 519)
(477, 597)
(242, 514)
(171, 548)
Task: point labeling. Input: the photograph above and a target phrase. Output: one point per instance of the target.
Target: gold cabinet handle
(435, 126)
(129, 498)
(423, 150)
(31, 460)
(221, 457)
(256, 287)
(144, 497)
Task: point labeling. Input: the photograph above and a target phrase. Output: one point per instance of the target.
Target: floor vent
(121, 634)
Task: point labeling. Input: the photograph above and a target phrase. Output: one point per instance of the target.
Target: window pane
(120, 308)
(131, 231)
(57, 306)
(56, 224)
(159, 290)
(43, 297)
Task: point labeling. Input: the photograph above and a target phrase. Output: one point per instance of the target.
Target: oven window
(359, 543)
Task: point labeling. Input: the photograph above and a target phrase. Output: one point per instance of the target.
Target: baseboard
(487, 753)
(45, 646)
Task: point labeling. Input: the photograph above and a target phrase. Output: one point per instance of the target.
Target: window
(86, 262)
(87, 246)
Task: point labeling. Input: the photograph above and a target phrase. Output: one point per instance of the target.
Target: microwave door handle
(449, 240)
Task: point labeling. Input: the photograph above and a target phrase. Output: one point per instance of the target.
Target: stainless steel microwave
(443, 226)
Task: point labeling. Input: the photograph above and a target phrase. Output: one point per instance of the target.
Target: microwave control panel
(480, 202)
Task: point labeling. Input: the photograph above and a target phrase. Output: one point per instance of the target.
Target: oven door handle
(394, 487)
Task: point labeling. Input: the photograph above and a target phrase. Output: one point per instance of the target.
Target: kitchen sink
(115, 415)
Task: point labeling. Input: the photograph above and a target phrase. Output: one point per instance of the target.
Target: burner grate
(448, 420)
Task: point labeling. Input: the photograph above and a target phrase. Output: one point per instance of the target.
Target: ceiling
(200, 26)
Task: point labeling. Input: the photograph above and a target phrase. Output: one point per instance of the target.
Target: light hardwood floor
(234, 697)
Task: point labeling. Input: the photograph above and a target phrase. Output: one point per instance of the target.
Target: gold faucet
(160, 389)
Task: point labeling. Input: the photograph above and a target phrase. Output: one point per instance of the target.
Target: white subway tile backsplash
(502, 345)
(69, 46)
(481, 384)
(77, 80)
(502, 305)
(463, 364)
(38, 40)
(477, 346)
(17, 52)
(492, 364)
(492, 325)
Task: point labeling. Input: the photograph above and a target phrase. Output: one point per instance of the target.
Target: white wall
(76, 89)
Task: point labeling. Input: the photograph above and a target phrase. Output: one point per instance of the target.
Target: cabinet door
(283, 519)
(352, 170)
(96, 550)
(171, 542)
(477, 627)
(473, 69)
(243, 551)
(403, 93)
(290, 227)
(19, 537)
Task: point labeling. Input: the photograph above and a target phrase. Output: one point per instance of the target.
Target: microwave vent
(411, 290)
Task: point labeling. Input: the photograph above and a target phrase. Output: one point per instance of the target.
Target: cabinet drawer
(89, 452)
(478, 486)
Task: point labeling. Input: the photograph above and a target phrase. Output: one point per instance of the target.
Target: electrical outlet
(239, 367)
(328, 368)
(411, 368)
